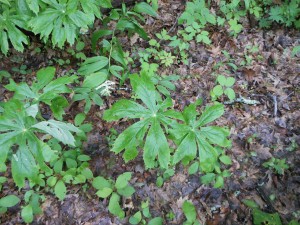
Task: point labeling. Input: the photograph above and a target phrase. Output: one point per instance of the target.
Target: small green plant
(32, 206)
(7, 202)
(141, 217)
(113, 191)
(279, 165)
(190, 213)
(224, 87)
(194, 31)
(45, 89)
(153, 118)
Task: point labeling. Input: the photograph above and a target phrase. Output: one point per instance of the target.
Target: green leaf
(114, 206)
(144, 7)
(122, 180)
(145, 90)
(208, 178)
(104, 192)
(156, 145)
(27, 214)
(186, 149)
(210, 114)
(60, 190)
(9, 201)
(126, 191)
(250, 203)
(193, 168)
(229, 82)
(93, 80)
(100, 183)
(218, 90)
(260, 217)
(230, 93)
(219, 182)
(79, 118)
(216, 135)
(51, 181)
(57, 106)
(225, 159)
(93, 65)
(156, 221)
(59, 130)
(189, 211)
(136, 218)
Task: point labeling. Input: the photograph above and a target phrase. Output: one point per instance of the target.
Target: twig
(275, 105)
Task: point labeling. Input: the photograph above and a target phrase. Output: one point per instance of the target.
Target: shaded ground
(258, 132)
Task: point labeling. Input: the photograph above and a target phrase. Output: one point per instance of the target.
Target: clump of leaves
(154, 120)
(114, 191)
(194, 139)
(224, 87)
(279, 165)
(18, 139)
(141, 217)
(32, 206)
(45, 89)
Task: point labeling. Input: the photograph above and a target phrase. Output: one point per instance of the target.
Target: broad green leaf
(208, 178)
(125, 108)
(193, 168)
(93, 65)
(136, 218)
(145, 90)
(225, 159)
(218, 90)
(51, 181)
(156, 221)
(59, 130)
(210, 114)
(93, 80)
(221, 79)
(260, 217)
(128, 137)
(144, 7)
(126, 191)
(100, 183)
(79, 118)
(114, 206)
(97, 35)
(219, 183)
(186, 149)
(229, 82)
(60, 190)
(216, 135)
(9, 201)
(122, 180)
(44, 76)
(230, 93)
(250, 203)
(104, 192)
(156, 145)
(27, 214)
(57, 107)
(189, 211)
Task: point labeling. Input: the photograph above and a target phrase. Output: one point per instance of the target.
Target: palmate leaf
(154, 118)
(17, 129)
(9, 30)
(63, 20)
(195, 140)
(59, 130)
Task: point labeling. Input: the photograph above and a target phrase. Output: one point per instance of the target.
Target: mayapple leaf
(59, 130)
(210, 114)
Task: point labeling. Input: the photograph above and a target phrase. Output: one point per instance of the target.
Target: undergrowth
(47, 153)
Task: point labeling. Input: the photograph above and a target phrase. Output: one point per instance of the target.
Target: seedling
(224, 87)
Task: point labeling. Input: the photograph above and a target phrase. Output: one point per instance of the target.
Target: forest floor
(258, 132)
